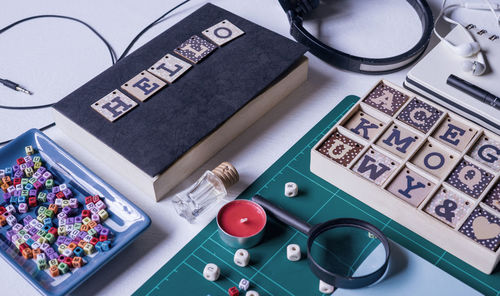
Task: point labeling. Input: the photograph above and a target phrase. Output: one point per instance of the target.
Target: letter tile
(410, 187)
(169, 68)
(448, 207)
(143, 85)
(195, 49)
(375, 166)
(114, 105)
(493, 198)
(487, 151)
(399, 140)
(455, 134)
(484, 228)
(420, 115)
(223, 32)
(469, 178)
(386, 99)
(340, 149)
(364, 125)
(434, 159)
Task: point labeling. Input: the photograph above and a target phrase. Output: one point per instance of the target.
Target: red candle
(241, 223)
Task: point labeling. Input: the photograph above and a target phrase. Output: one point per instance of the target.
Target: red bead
(20, 161)
(23, 246)
(88, 199)
(2, 210)
(60, 195)
(32, 201)
(85, 214)
(61, 258)
(233, 291)
(93, 241)
(69, 261)
(95, 198)
(53, 230)
(103, 238)
(16, 181)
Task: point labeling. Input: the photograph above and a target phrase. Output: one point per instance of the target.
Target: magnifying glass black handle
(283, 215)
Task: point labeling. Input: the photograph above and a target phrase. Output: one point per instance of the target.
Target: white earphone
(477, 65)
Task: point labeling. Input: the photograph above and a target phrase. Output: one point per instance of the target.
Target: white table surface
(54, 57)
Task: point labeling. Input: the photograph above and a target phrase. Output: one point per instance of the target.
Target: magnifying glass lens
(348, 251)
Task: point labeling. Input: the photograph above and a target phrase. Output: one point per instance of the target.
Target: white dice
(293, 252)
(244, 284)
(252, 293)
(291, 189)
(241, 257)
(325, 288)
(211, 272)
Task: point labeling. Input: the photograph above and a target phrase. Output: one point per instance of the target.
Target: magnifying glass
(345, 253)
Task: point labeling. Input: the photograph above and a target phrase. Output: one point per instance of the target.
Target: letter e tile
(469, 178)
(448, 207)
(375, 166)
(195, 49)
(223, 32)
(340, 149)
(114, 105)
(143, 85)
(454, 133)
(484, 228)
(410, 187)
(169, 68)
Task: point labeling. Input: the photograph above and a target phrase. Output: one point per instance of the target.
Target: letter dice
(241, 257)
(244, 284)
(211, 272)
(291, 189)
(325, 288)
(293, 252)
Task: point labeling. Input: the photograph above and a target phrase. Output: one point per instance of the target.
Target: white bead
(244, 284)
(291, 189)
(293, 252)
(252, 293)
(211, 272)
(325, 288)
(241, 257)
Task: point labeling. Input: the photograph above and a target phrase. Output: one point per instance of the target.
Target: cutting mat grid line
(270, 182)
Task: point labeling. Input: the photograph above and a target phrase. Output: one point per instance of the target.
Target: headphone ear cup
(477, 68)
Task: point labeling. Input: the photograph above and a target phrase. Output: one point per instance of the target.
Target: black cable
(112, 53)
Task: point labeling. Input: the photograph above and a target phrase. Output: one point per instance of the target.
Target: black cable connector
(14, 86)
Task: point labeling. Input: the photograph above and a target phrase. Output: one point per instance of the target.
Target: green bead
(49, 213)
(41, 233)
(24, 181)
(41, 217)
(42, 264)
(92, 232)
(33, 180)
(53, 262)
(77, 226)
(50, 238)
(49, 184)
(63, 268)
(37, 159)
(22, 232)
(25, 193)
(42, 197)
(41, 210)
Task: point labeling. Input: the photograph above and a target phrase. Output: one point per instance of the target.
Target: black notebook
(156, 133)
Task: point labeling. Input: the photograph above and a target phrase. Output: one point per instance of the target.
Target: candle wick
(243, 220)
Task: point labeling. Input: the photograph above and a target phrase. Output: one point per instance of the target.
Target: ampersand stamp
(448, 207)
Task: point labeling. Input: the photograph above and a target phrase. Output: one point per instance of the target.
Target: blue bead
(8, 172)
(28, 186)
(13, 199)
(47, 222)
(78, 252)
(106, 245)
(30, 242)
(21, 199)
(46, 227)
(98, 246)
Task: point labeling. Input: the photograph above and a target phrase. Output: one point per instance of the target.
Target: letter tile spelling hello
(469, 178)
(487, 151)
(169, 68)
(195, 49)
(375, 166)
(386, 99)
(114, 105)
(411, 187)
(420, 115)
(340, 149)
(143, 86)
(493, 198)
(448, 207)
(223, 32)
(364, 125)
(399, 140)
(483, 227)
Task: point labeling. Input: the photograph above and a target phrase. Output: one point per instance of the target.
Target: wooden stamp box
(421, 165)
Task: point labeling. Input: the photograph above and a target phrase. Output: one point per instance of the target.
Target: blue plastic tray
(126, 221)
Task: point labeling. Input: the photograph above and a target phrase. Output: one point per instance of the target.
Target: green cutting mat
(269, 272)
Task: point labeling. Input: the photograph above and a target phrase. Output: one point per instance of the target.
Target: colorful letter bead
(386, 99)
(493, 198)
(448, 207)
(420, 115)
(113, 106)
(487, 151)
(169, 68)
(410, 187)
(375, 166)
(364, 125)
(340, 149)
(399, 140)
(434, 159)
(233, 291)
(143, 86)
(223, 32)
(455, 134)
(211, 272)
(484, 228)
(469, 178)
(195, 49)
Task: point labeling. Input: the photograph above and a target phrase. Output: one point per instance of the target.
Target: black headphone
(297, 9)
